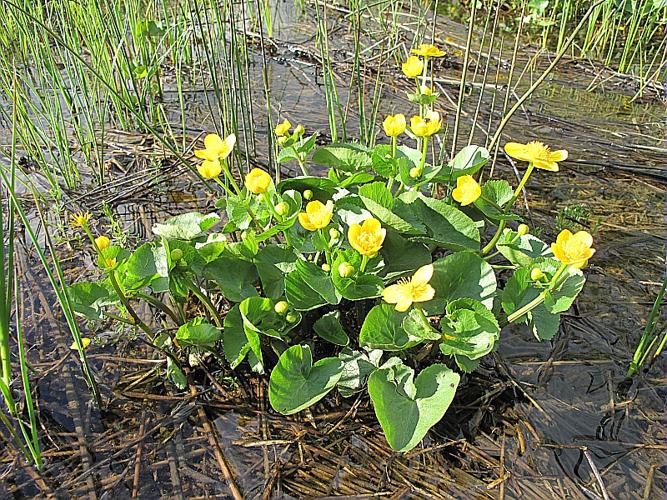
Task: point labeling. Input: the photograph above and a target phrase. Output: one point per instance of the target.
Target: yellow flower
(416, 289)
(368, 237)
(467, 190)
(299, 130)
(573, 249)
(110, 263)
(426, 127)
(257, 181)
(217, 149)
(283, 128)
(317, 215)
(209, 169)
(80, 219)
(102, 242)
(394, 125)
(425, 90)
(536, 153)
(85, 342)
(428, 50)
(413, 67)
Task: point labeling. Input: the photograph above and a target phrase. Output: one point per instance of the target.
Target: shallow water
(562, 399)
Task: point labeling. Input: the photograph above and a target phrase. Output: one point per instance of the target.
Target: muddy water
(553, 414)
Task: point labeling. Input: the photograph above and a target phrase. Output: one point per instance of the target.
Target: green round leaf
(384, 329)
(198, 332)
(468, 329)
(407, 409)
(329, 328)
(462, 275)
(296, 383)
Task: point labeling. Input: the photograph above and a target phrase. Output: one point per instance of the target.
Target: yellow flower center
(538, 151)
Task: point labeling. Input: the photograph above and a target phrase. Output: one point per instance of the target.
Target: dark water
(564, 408)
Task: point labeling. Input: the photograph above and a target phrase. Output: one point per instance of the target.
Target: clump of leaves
(344, 265)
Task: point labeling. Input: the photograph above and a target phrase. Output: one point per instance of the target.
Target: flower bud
(282, 140)
(102, 242)
(334, 234)
(345, 269)
(110, 263)
(536, 274)
(415, 172)
(523, 229)
(282, 208)
(307, 194)
(299, 130)
(326, 267)
(291, 317)
(176, 254)
(281, 307)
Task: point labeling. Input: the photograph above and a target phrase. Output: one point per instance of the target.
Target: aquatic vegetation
(358, 280)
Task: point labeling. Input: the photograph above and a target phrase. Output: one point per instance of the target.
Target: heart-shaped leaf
(296, 383)
(468, 329)
(387, 329)
(461, 275)
(235, 277)
(198, 332)
(407, 408)
(446, 225)
(273, 263)
(358, 365)
(520, 250)
(308, 287)
(358, 286)
(329, 328)
(186, 226)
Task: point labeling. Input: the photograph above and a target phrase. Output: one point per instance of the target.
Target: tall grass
(10, 305)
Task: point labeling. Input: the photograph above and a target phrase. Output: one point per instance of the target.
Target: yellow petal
(314, 207)
(560, 155)
(413, 67)
(551, 166)
(214, 142)
(85, 342)
(585, 238)
(423, 274)
(205, 154)
(467, 190)
(423, 294)
(227, 147)
(304, 220)
(395, 293)
(257, 181)
(282, 129)
(517, 151)
(209, 169)
(404, 304)
(102, 242)
(371, 225)
(563, 237)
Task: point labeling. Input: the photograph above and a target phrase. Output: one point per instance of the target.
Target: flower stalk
(555, 283)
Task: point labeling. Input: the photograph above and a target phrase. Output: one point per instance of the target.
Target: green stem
(224, 186)
(230, 177)
(489, 246)
(302, 166)
(364, 262)
(130, 310)
(160, 305)
(424, 151)
(206, 301)
(540, 298)
(521, 185)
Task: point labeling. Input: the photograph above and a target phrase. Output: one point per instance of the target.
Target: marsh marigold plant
(392, 272)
